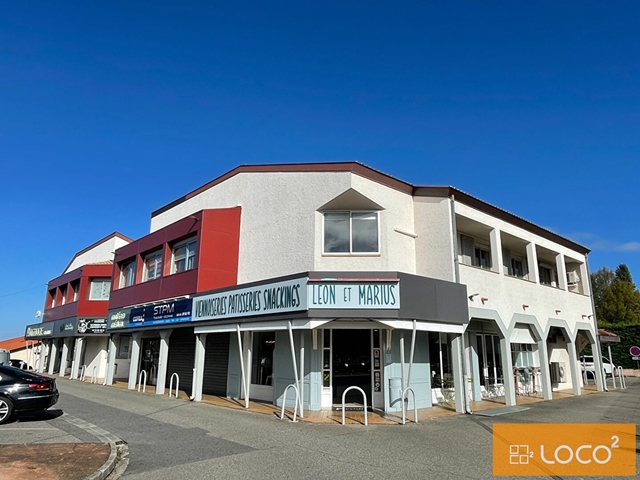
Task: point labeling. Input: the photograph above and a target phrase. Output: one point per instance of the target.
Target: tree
(615, 296)
(623, 274)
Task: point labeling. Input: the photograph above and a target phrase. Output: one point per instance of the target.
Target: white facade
(529, 304)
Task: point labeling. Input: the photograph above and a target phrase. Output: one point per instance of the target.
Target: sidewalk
(33, 447)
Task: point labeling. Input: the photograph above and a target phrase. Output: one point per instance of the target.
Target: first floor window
(517, 268)
(547, 276)
(473, 254)
(153, 265)
(184, 256)
(128, 273)
(351, 232)
(99, 289)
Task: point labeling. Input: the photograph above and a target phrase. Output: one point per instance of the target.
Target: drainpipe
(463, 360)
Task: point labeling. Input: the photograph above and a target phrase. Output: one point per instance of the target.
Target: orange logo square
(564, 449)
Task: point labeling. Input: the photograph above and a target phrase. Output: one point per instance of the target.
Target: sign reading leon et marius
(296, 295)
(348, 294)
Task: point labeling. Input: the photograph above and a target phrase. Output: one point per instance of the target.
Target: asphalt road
(171, 438)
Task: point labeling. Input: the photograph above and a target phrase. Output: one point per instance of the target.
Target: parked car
(586, 364)
(21, 364)
(23, 391)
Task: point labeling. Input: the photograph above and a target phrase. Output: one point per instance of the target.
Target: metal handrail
(621, 377)
(364, 396)
(144, 389)
(284, 401)
(93, 374)
(177, 383)
(83, 373)
(404, 407)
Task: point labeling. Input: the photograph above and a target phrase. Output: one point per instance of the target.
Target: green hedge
(629, 337)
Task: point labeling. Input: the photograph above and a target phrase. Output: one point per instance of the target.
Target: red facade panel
(217, 233)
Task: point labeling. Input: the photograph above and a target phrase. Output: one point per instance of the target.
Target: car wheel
(6, 410)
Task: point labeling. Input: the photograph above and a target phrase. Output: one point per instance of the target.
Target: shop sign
(65, 328)
(357, 294)
(38, 330)
(118, 319)
(92, 326)
(279, 297)
(160, 314)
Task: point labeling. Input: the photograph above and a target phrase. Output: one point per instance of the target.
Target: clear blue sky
(109, 110)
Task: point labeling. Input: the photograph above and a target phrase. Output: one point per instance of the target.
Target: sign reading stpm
(564, 449)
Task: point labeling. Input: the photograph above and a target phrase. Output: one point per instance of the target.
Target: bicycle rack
(144, 388)
(83, 372)
(404, 407)
(177, 383)
(364, 396)
(284, 401)
(93, 374)
(623, 381)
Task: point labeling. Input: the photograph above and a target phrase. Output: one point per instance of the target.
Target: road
(171, 438)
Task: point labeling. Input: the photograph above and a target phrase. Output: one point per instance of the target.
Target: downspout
(465, 367)
(595, 324)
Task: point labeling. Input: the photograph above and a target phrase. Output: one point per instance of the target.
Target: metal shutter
(216, 362)
(182, 349)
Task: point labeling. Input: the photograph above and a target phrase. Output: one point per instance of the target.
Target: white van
(586, 364)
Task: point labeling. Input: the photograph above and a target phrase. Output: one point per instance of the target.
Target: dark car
(23, 391)
(21, 364)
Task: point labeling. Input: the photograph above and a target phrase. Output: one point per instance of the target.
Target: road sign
(634, 351)
(635, 358)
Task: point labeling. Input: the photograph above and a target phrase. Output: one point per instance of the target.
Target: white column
(507, 372)
(135, 360)
(562, 271)
(111, 359)
(53, 353)
(532, 260)
(496, 251)
(77, 356)
(573, 365)
(458, 375)
(43, 353)
(598, 367)
(545, 374)
(198, 378)
(65, 356)
(163, 361)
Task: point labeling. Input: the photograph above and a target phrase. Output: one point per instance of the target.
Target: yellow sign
(564, 449)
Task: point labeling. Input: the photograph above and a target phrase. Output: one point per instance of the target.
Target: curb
(119, 449)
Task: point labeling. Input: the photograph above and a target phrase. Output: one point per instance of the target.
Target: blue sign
(161, 314)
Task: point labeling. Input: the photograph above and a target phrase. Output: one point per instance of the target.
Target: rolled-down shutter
(216, 364)
(182, 348)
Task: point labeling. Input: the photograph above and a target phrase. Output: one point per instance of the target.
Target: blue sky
(111, 110)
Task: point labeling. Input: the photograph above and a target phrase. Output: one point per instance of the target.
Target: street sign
(634, 351)
(635, 358)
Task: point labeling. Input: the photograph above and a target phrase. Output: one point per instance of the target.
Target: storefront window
(263, 346)
(440, 360)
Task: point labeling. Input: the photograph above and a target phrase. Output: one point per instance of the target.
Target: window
(474, 254)
(52, 296)
(128, 273)
(63, 295)
(517, 267)
(351, 232)
(548, 276)
(184, 256)
(76, 290)
(99, 289)
(153, 265)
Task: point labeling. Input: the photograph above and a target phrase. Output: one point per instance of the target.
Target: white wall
(102, 252)
(281, 231)
(434, 244)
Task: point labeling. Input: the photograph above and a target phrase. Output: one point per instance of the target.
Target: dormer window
(351, 232)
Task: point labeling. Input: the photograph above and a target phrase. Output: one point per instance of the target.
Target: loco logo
(564, 449)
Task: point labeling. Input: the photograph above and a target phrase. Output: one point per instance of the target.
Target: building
(73, 327)
(314, 278)
(24, 351)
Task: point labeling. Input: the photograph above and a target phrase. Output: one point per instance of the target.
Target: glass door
(351, 362)
(490, 363)
(263, 346)
(150, 359)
